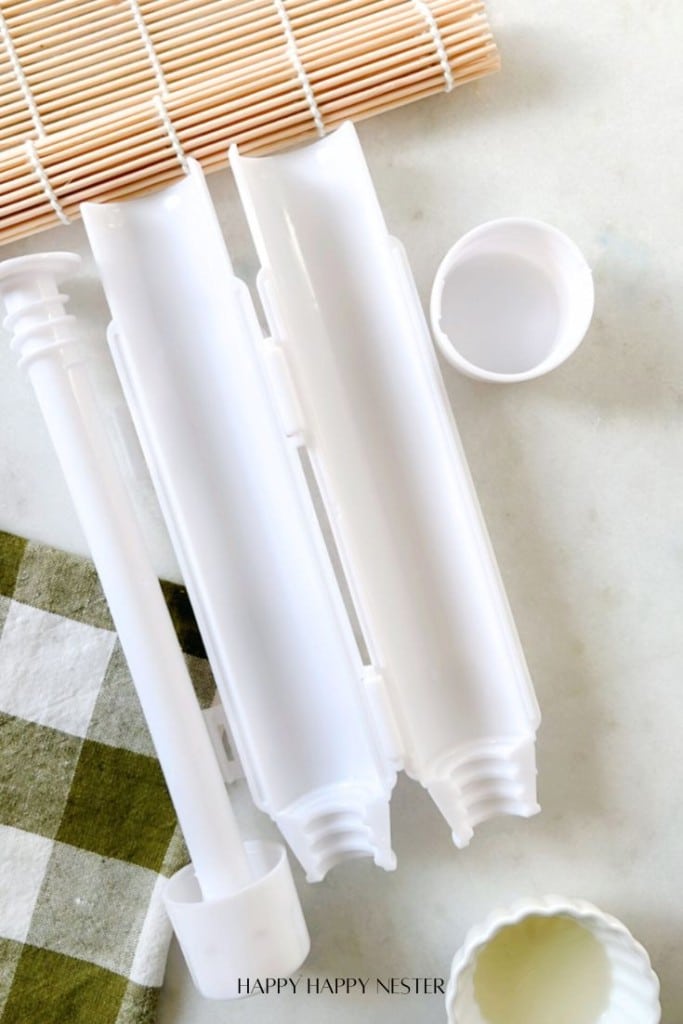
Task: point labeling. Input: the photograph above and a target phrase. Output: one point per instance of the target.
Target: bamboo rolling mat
(105, 99)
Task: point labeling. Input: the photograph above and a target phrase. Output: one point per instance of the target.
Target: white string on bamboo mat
(162, 110)
(41, 175)
(435, 32)
(22, 81)
(146, 38)
(160, 99)
(30, 101)
(298, 66)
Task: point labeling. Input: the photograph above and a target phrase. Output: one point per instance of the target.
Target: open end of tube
(488, 781)
(342, 136)
(336, 837)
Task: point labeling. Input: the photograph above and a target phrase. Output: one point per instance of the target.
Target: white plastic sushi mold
(333, 548)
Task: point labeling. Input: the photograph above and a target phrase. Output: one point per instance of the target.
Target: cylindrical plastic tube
(235, 908)
(56, 363)
(243, 524)
(340, 297)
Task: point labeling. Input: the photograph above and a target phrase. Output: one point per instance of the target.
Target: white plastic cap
(259, 931)
(552, 959)
(511, 300)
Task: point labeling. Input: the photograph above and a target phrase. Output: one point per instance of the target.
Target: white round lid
(511, 300)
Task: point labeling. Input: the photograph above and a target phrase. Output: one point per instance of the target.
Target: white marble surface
(580, 477)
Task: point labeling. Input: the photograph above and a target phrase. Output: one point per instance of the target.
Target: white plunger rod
(47, 342)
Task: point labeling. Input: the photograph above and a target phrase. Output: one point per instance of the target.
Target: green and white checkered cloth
(87, 830)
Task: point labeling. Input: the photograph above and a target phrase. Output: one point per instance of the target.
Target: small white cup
(552, 960)
(511, 300)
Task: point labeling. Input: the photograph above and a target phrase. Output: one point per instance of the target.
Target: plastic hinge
(382, 710)
(274, 359)
(223, 744)
(284, 392)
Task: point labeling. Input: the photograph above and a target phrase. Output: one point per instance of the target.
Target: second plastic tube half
(242, 523)
(342, 303)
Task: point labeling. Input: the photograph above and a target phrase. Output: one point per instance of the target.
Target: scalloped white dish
(552, 960)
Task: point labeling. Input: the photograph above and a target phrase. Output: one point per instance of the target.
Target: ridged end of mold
(338, 824)
(635, 986)
(634, 991)
(487, 779)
